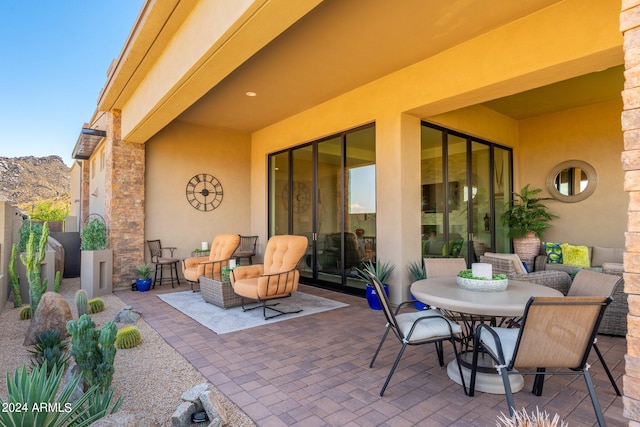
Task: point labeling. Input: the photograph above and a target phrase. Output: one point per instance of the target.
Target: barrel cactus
(96, 305)
(128, 337)
(25, 312)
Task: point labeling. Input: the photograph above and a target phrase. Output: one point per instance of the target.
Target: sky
(54, 57)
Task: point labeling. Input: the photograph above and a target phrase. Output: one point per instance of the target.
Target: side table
(200, 253)
(219, 292)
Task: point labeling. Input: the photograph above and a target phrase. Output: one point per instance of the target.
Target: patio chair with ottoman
(222, 249)
(276, 278)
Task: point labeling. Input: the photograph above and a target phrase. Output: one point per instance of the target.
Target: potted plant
(143, 282)
(382, 271)
(96, 261)
(417, 272)
(527, 218)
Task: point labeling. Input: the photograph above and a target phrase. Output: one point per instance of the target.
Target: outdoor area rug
(222, 321)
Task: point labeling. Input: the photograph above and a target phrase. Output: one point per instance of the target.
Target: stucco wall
(173, 157)
(591, 134)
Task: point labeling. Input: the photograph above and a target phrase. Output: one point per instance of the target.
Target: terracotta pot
(527, 248)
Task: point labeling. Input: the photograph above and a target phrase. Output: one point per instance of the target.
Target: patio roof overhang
(87, 142)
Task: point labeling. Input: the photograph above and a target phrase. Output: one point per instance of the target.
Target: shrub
(28, 228)
(94, 235)
(96, 305)
(128, 337)
(93, 351)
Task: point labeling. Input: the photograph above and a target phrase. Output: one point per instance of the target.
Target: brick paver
(314, 371)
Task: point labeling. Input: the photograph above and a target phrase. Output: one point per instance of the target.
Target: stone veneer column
(124, 202)
(630, 27)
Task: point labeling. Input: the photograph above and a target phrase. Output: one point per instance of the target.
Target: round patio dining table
(471, 307)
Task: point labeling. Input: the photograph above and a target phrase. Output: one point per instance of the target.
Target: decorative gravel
(151, 376)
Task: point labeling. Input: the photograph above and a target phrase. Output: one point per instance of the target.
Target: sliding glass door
(465, 184)
(326, 191)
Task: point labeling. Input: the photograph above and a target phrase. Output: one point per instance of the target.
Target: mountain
(28, 180)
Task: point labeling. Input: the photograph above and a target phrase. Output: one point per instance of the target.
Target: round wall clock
(204, 192)
(301, 197)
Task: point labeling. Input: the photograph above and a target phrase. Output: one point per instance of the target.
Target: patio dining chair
(415, 328)
(443, 267)
(556, 332)
(157, 253)
(246, 249)
(592, 283)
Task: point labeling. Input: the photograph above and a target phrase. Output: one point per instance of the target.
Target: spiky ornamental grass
(536, 419)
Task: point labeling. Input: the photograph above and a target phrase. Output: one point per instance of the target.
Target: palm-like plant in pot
(143, 282)
(382, 271)
(527, 218)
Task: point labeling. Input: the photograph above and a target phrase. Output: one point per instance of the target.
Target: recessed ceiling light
(251, 94)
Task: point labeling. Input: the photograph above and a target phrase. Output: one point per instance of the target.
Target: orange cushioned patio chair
(222, 249)
(276, 278)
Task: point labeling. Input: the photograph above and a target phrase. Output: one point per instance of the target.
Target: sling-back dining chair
(591, 283)
(443, 267)
(556, 332)
(415, 328)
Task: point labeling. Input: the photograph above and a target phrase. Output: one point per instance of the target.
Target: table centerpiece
(470, 282)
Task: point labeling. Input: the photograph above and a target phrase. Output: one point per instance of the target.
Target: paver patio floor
(314, 371)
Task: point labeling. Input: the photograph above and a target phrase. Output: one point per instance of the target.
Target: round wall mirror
(572, 181)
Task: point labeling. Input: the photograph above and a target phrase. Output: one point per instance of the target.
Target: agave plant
(33, 399)
(381, 270)
(50, 347)
(417, 271)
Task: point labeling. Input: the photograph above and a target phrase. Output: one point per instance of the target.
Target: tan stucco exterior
(220, 153)
(183, 56)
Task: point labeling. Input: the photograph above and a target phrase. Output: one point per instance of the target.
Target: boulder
(127, 315)
(53, 312)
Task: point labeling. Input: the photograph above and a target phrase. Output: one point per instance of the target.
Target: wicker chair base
(218, 292)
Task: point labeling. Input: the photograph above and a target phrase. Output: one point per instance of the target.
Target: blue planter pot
(417, 304)
(372, 297)
(143, 285)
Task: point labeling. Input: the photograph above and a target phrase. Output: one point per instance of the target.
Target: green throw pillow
(575, 255)
(554, 252)
(456, 247)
